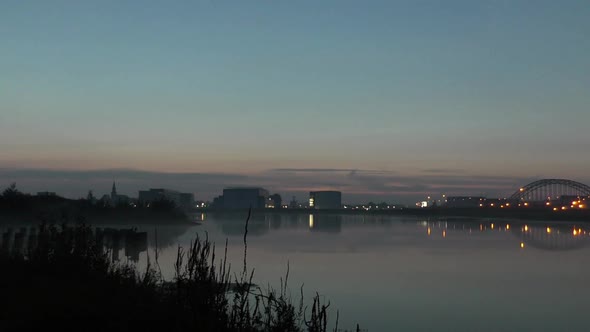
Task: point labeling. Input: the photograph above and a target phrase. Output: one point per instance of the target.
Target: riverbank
(66, 281)
(540, 214)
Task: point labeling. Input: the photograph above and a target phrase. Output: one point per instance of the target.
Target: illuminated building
(325, 200)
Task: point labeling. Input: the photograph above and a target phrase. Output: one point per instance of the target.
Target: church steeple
(114, 191)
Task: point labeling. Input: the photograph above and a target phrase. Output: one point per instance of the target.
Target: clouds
(390, 185)
(329, 170)
(443, 171)
(311, 170)
(357, 185)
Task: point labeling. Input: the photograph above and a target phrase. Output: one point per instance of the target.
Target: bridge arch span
(543, 189)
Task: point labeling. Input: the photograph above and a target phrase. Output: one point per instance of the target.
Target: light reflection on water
(392, 273)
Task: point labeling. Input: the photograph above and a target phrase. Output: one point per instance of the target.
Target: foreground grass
(66, 281)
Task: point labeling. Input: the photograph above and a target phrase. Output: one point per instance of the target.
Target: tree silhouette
(11, 191)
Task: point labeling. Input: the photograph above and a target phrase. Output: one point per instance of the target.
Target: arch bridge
(551, 189)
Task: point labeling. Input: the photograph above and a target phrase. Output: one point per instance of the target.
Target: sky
(381, 99)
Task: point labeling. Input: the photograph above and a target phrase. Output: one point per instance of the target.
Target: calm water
(401, 274)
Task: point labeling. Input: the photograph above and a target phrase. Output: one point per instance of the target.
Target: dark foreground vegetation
(65, 281)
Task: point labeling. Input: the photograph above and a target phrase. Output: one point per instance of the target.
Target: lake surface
(391, 273)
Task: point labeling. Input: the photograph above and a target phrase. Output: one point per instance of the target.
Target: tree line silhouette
(18, 205)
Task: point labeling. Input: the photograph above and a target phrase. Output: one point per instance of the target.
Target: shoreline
(515, 213)
(144, 217)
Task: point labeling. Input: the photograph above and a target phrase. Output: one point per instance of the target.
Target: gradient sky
(295, 92)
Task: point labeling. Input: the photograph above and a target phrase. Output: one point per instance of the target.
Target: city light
(311, 221)
(548, 230)
(429, 231)
(526, 228)
(507, 227)
(444, 233)
(522, 244)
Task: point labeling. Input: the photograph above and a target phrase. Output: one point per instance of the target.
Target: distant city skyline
(357, 186)
(382, 100)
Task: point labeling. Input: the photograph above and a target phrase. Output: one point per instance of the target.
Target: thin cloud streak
(330, 170)
(444, 171)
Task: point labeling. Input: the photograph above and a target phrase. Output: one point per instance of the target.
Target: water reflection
(120, 242)
(131, 242)
(546, 236)
(391, 261)
(325, 223)
(554, 237)
(265, 224)
(541, 235)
